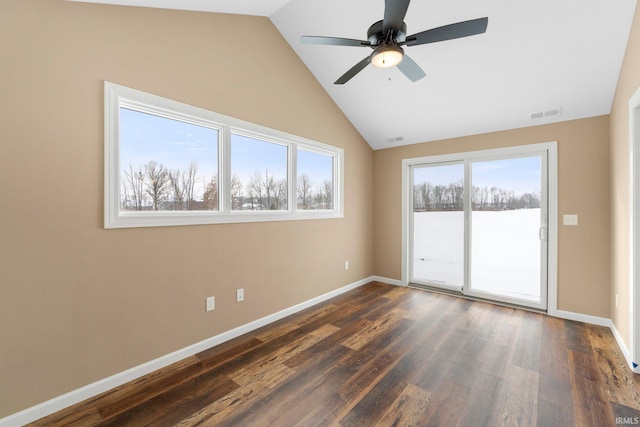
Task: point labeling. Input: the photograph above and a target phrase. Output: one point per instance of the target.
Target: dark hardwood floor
(388, 356)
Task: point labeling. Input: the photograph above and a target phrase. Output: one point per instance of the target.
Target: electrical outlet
(346, 265)
(240, 295)
(211, 303)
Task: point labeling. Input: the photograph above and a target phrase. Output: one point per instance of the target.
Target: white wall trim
(76, 396)
(407, 183)
(623, 347)
(394, 282)
(601, 321)
(634, 219)
(585, 318)
(552, 224)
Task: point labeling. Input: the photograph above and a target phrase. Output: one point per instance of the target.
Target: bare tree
(182, 186)
(175, 178)
(531, 200)
(133, 188)
(457, 192)
(439, 194)
(236, 189)
(451, 197)
(270, 190)
(426, 193)
(157, 184)
(281, 193)
(326, 190)
(256, 190)
(480, 197)
(189, 181)
(476, 195)
(304, 191)
(210, 196)
(495, 197)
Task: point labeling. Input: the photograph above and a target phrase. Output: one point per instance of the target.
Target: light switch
(211, 303)
(570, 219)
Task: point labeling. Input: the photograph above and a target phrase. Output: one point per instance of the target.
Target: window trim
(116, 97)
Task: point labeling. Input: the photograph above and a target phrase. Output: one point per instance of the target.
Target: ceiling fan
(387, 37)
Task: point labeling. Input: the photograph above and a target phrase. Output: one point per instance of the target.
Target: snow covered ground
(505, 251)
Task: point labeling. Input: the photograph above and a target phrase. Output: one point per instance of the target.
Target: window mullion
(225, 171)
(293, 178)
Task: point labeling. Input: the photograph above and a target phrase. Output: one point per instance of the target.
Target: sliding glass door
(507, 227)
(478, 226)
(438, 225)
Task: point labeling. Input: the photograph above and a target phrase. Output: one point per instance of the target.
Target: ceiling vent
(548, 113)
(396, 139)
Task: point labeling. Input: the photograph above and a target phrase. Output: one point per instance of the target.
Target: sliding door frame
(552, 249)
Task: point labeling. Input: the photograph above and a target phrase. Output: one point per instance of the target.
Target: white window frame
(116, 97)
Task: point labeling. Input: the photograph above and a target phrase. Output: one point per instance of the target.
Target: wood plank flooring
(382, 355)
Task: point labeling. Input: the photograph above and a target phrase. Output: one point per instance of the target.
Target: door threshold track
(459, 294)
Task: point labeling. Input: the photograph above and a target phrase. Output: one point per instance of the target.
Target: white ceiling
(534, 57)
(241, 7)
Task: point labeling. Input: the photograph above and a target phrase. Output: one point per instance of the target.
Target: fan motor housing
(376, 36)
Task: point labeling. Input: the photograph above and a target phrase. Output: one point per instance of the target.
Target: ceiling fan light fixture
(387, 56)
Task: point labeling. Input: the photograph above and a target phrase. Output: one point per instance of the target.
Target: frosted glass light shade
(387, 56)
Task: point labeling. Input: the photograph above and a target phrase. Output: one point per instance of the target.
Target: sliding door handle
(542, 233)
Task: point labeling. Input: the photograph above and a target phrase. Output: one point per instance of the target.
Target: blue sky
(176, 144)
(249, 155)
(520, 175)
(319, 167)
(439, 175)
(173, 143)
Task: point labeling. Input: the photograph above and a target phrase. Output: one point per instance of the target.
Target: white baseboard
(623, 348)
(388, 281)
(76, 396)
(585, 318)
(602, 321)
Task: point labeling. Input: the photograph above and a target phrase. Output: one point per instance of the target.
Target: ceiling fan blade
(449, 32)
(394, 12)
(334, 41)
(353, 71)
(410, 69)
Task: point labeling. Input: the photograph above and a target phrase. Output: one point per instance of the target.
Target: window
(315, 180)
(258, 174)
(168, 163)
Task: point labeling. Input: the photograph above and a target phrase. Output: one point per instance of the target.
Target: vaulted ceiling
(556, 59)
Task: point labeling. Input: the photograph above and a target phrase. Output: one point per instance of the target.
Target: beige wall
(628, 83)
(583, 181)
(79, 303)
